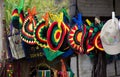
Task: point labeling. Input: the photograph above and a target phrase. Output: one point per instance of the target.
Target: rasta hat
(29, 24)
(74, 38)
(56, 32)
(66, 19)
(40, 31)
(97, 42)
(86, 32)
(18, 16)
(97, 30)
(65, 46)
(50, 54)
(90, 36)
(83, 38)
(55, 35)
(89, 40)
(94, 40)
(75, 34)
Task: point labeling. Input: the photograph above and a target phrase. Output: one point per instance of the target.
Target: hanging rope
(114, 5)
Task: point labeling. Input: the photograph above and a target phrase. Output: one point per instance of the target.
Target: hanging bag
(15, 44)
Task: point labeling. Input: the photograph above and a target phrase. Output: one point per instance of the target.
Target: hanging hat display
(56, 33)
(18, 16)
(40, 31)
(29, 24)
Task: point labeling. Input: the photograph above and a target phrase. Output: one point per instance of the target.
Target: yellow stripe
(88, 50)
(91, 31)
(96, 43)
(15, 14)
(88, 22)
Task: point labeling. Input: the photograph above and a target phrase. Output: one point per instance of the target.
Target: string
(114, 6)
(77, 10)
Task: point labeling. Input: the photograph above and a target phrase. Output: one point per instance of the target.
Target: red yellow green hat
(40, 33)
(74, 38)
(97, 42)
(29, 24)
(17, 18)
(55, 35)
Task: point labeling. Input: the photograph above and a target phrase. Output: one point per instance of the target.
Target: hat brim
(112, 49)
(50, 54)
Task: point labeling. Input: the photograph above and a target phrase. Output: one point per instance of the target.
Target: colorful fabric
(78, 20)
(51, 55)
(44, 73)
(66, 17)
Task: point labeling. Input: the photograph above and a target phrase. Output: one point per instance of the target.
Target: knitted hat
(29, 24)
(75, 33)
(40, 31)
(56, 32)
(18, 16)
(55, 35)
(74, 37)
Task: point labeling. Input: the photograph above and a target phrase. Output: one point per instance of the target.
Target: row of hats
(48, 33)
(56, 34)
